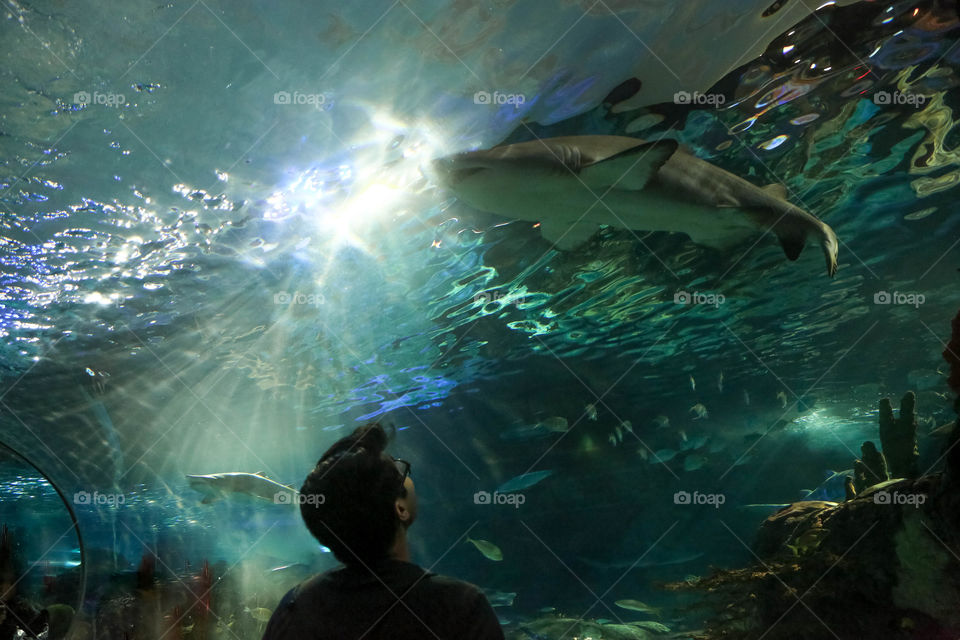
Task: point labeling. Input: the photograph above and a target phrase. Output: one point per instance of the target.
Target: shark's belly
(567, 201)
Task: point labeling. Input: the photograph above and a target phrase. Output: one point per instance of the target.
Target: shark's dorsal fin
(262, 474)
(567, 236)
(631, 169)
(776, 189)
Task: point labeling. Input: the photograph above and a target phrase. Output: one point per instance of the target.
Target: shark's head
(452, 171)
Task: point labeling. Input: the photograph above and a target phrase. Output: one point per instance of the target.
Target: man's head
(367, 498)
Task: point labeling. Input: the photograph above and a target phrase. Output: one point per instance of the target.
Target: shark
(572, 185)
(215, 486)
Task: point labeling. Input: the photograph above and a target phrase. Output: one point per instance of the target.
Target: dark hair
(359, 484)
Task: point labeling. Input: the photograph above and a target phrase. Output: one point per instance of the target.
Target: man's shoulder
(447, 583)
(405, 575)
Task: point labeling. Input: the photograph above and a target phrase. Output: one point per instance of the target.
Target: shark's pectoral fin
(793, 238)
(792, 243)
(792, 231)
(631, 169)
(567, 236)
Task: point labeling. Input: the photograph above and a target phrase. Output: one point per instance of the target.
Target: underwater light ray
(199, 399)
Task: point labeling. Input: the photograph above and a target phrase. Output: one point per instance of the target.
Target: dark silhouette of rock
(870, 469)
(898, 436)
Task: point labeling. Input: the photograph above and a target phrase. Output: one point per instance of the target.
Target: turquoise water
(200, 277)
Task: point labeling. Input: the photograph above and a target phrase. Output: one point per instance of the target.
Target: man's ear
(401, 509)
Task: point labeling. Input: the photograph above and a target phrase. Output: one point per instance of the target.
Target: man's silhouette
(359, 502)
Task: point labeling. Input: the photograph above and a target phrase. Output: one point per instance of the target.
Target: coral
(951, 454)
(925, 569)
(870, 469)
(849, 489)
(556, 627)
(898, 436)
(952, 355)
(886, 551)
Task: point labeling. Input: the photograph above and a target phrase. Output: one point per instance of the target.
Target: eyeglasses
(404, 468)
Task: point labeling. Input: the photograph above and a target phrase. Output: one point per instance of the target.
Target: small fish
(663, 455)
(693, 383)
(717, 446)
(695, 443)
(782, 397)
(720, 382)
(661, 421)
(644, 453)
(746, 398)
(591, 410)
(523, 481)
(556, 424)
(261, 614)
(612, 439)
(296, 571)
(694, 462)
(500, 598)
(547, 609)
(651, 625)
(619, 433)
(742, 460)
(683, 434)
(627, 425)
(807, 541)
(699, 410)
(636, 605)
(488, 549)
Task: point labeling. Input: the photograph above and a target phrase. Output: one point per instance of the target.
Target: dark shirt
(401, 601)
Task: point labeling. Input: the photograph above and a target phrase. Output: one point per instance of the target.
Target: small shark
(573, 184)
(214, 486)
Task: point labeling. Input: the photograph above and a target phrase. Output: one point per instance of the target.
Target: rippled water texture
(220, 253)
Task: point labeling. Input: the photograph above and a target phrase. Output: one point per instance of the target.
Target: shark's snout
(449, 171)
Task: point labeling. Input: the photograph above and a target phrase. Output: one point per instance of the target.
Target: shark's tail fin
(831, 248)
